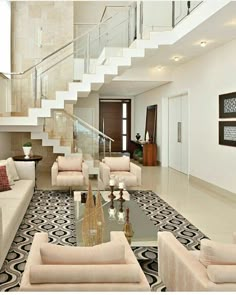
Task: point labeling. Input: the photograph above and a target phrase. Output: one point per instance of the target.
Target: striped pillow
(4, 182)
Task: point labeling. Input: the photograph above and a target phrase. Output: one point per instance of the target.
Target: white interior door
(178, 133)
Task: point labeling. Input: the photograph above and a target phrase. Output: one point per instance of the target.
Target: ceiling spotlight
(159, 68)
(203, 43)
(176, 58)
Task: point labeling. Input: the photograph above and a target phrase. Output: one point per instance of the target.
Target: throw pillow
(12, 169)
(68, 163)
(4, 183)
(217, 253)
(10, 179)
(106, 253)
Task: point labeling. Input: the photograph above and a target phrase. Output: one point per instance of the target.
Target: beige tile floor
(213, 214)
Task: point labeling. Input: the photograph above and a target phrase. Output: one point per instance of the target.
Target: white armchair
(213, 268)
(69, 171)
(119, 168)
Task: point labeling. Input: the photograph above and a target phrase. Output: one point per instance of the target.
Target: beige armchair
(69, 171)
(213, 268)
(110, 266)
(119, 168)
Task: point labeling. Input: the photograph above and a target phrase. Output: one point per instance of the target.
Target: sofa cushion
(113, 273)
(118, 163)
(222, 273)
(106, 253)
(68, 163)
(70, 178)
(217, 253)
(4, 182)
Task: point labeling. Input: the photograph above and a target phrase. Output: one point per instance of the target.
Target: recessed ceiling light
(159, 68)
(203, 44)
(176, 58)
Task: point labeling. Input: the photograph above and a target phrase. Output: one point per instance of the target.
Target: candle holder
(121, 199)
(112, 196)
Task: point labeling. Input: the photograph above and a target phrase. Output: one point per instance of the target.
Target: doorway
(115, 121)
(178, 133)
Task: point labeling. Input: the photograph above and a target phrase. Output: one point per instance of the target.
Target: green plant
(28, 143)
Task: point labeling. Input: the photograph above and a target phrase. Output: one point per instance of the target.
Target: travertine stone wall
(54, 21)
(38, 29)
(28, 17)
(19, 138)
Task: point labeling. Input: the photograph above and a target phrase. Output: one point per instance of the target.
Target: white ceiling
(217, 30)
(128, 88)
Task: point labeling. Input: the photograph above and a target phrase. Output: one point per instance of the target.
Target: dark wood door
(110, 118)
(115, 118)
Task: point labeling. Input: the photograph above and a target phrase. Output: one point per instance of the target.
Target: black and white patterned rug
(53, 212)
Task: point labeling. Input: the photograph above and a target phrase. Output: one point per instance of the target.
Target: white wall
(5, 145)
(204, 79)
(5, 36)
(157, 16)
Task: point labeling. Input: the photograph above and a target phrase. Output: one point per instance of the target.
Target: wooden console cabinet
(149, 154)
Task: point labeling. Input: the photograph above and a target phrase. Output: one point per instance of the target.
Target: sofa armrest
(130, 258)
(137, 171)
(85, 171)
(179, 269)
(1, 231)
(104, 173)
(25, 169)
(34, 258)
(54, 173)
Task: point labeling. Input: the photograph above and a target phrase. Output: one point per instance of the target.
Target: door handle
(179, 131)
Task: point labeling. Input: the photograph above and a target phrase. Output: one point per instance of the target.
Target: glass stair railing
(23, 90)
(77, 136)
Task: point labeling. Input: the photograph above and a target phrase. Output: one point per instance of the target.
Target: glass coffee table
(144, 231)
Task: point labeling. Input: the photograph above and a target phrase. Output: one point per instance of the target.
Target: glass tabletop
(144, 232)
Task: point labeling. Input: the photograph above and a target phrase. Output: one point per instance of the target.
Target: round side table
(35, 158)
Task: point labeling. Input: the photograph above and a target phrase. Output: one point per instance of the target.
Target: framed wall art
(227, 133)
(227, 105)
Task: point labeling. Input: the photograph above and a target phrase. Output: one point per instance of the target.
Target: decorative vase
(147, 136)
(138, 136)
(27, 150)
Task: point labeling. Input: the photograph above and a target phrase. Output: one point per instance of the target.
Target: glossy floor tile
(212, 213)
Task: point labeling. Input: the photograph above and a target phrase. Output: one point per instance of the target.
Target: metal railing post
(173, 14)
(88, 53)
(188, 6)
(35, 86)
(104, 147)
(110, 147)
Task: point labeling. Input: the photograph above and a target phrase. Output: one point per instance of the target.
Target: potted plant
(27, 148)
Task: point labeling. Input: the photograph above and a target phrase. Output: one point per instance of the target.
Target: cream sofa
(13, 205)
(213, 268)
(99, 276)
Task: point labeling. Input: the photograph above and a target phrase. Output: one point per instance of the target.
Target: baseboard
(212, 188)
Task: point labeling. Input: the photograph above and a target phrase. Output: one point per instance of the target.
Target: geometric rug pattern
(53, 212)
